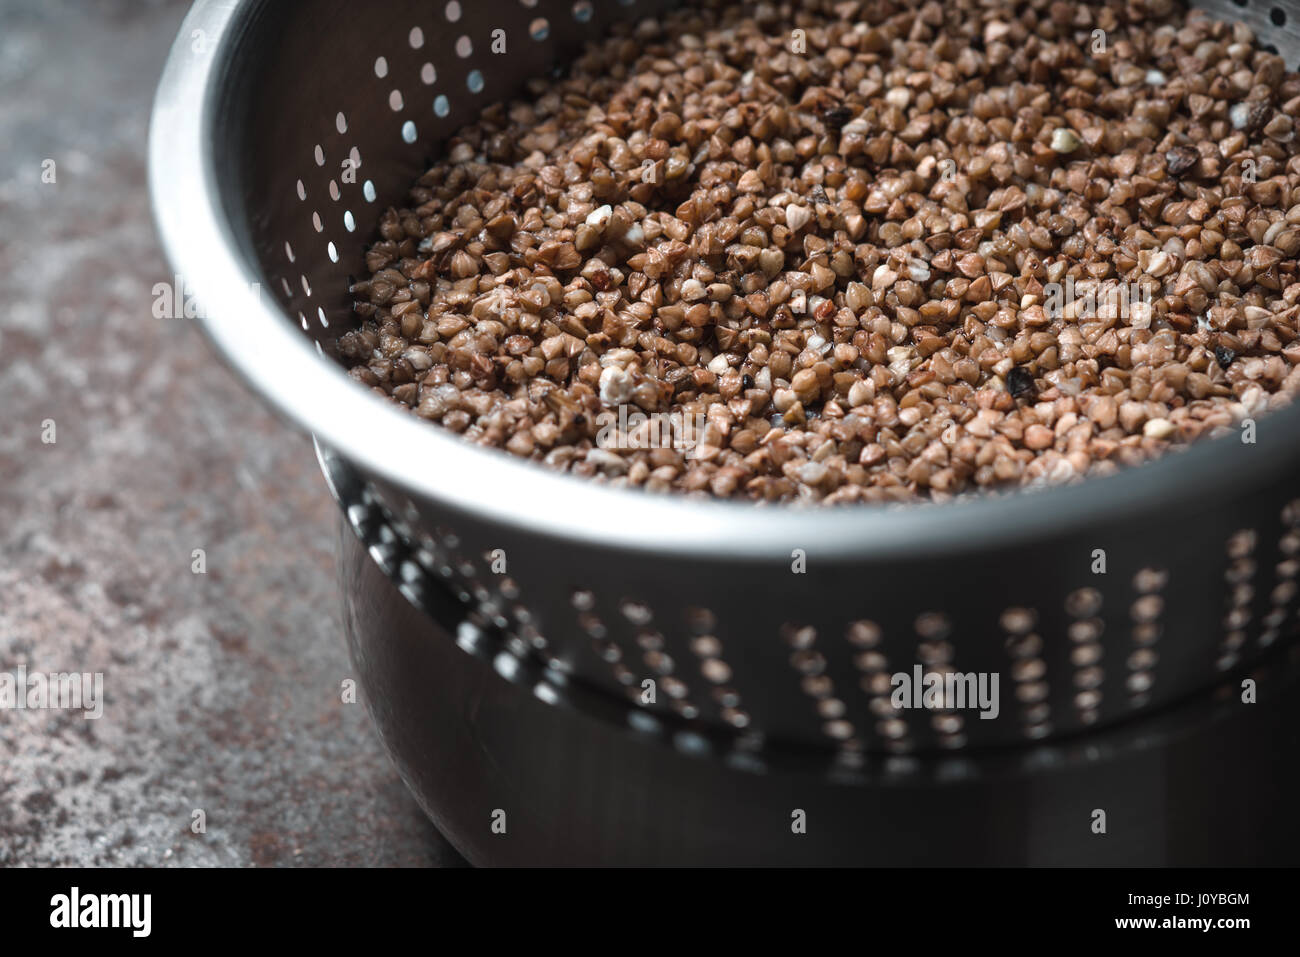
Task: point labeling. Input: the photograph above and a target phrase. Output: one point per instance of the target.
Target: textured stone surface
(222, 690)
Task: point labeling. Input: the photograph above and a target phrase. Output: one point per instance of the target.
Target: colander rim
(268, 352)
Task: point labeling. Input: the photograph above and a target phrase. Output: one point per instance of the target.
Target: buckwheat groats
(856, 251)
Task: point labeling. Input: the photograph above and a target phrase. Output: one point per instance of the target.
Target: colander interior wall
(363, 98)
(330, 110)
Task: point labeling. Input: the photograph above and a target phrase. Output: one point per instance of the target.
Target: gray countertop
(221, 690)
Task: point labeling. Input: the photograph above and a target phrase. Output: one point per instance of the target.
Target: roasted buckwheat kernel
(879, 250)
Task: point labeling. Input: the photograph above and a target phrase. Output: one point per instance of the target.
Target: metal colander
(764, 626)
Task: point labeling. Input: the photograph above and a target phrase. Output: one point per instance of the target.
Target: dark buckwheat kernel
(1180, 159)
(836, 117)
(1020, 383)
(1258, 116)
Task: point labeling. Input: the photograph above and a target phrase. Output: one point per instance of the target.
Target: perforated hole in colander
(810, 665)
